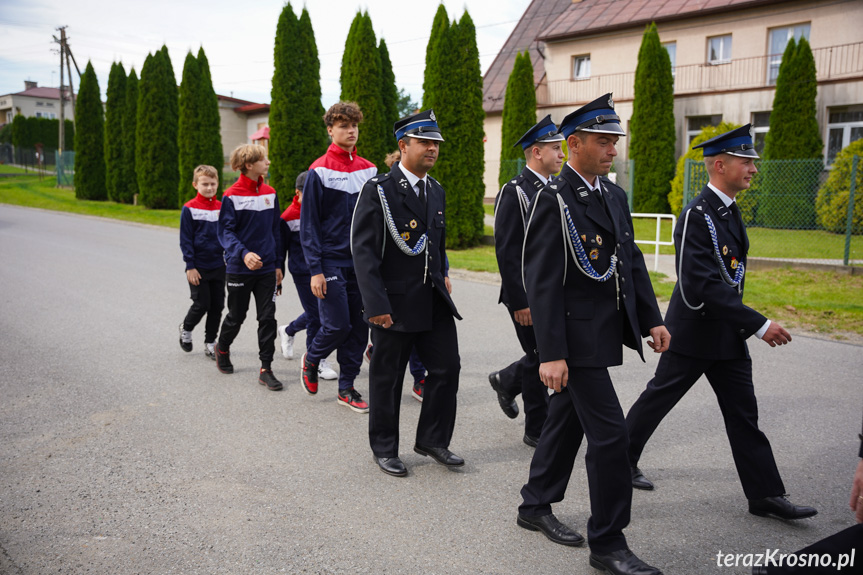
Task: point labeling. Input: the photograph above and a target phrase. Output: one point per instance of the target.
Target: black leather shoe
(530, 441)
(506, 401)
(440, 454)
(639, 481)
(780, 507)
(622, 562)
(391, 466)
(551, 528)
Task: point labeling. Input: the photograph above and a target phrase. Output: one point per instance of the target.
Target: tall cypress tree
(189, 127)
(456, 95)
(363, 84)
(129, 182)
(114, 109)
(89, 139)
(652, 137)
(389, 92)
(519, 114)
(297, 131)
(210, 143)
(156, 149)
(788, 189)
(432, 80)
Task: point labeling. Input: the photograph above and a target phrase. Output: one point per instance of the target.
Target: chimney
(29, 85)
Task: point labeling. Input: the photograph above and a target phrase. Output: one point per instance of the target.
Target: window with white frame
(760, 127)
(844, 125)
(671, 48)
(719, 49)
(581, 67)
(694, 125)
(777, 40)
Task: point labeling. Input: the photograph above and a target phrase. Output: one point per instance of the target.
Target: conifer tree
(519, 114)
(156, 135)
(210, 144)
(189, 127)
(363, 84)
(115, 106)
(129, 183)
(652, 137)
(432, 80)
(89, 139)
(788, 189)
(389, 92)
(455, 91)
(297, 131)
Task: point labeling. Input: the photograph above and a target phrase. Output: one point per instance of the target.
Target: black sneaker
(223, 360)
(417, 391)
(267, 378)
(309, 376)
(185, 339)
(351, 398)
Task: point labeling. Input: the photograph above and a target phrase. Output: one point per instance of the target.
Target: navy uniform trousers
(522, 377)
(438, 350)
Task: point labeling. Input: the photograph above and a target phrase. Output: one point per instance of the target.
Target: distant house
(34, 102)
(240, 120)
(725, 56)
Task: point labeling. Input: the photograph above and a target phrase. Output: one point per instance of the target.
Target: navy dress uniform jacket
(718, 330)
(588, 332)
(510, 216)
(391, 282)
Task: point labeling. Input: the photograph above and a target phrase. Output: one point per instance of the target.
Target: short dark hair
(343, 111)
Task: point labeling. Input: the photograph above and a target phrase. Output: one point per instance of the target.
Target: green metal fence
(65, 168)
(793, 213)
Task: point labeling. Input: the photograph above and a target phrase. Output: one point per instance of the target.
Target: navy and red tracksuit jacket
(329, 196)
(199, 234)
(249, 222)
(291, 245)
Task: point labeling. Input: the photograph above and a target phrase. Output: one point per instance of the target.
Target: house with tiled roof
(34, 101)
(240, 120)
(725, 56)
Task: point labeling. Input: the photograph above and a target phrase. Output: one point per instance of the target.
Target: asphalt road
(121, 454)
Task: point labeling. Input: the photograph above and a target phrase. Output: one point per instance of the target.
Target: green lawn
(28, 190)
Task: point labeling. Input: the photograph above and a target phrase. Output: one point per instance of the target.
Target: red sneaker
(417, 391)
(309, 376)
(351, 398)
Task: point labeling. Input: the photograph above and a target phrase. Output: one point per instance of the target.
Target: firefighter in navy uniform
(544, 155)
(711, 324)
(398, 240)
(589, 294)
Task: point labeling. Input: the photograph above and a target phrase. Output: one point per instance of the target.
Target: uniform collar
(248, 184)
(346, 157)
(727, 201)
(539, 176)
(413, 178)
(590, 187)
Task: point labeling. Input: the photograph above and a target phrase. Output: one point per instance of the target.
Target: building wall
(233, 129)
(29, 106)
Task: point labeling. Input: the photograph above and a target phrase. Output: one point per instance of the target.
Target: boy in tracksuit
(249, 233)
(329, 197)
(293, 249)
(202, 252)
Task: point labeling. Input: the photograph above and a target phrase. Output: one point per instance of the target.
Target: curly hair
(343, 111)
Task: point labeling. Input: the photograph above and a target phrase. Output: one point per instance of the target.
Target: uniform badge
(431, 116)
(598, 240)
(584, 238)
(553, 186)
(698, 208)
(594, 254)
(514, 181)
(725, 250)
(610, 103)
(582, 194)
(374, 179)
(733, 263)
(406, 236)
(413, 224)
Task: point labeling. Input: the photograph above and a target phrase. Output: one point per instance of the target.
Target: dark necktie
(601, 198)
(735, 217)
(422, 192)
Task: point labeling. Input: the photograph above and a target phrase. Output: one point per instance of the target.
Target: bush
(831, 204)
(114, 110)
(675, 196)
(519, 115)
(90, 139)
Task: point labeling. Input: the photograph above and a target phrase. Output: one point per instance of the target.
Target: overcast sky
(237, 37)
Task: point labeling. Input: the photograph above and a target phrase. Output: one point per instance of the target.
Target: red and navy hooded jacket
(249, 222)
(329, 196)
(199, 237)
(291, 245)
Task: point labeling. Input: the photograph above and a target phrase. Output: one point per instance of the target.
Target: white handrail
(658, 242)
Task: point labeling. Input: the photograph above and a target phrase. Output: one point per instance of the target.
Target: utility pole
(65, 53)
